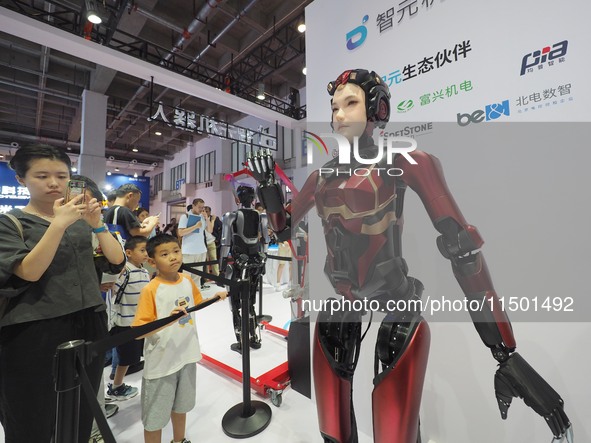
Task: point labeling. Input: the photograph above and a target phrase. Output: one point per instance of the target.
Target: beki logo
(357, 36)
(490, 112)
(543, 55)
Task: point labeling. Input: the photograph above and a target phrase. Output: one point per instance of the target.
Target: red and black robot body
(362, 221)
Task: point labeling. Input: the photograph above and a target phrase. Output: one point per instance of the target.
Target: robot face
(245, 195)
(349, 115)
(377, 95)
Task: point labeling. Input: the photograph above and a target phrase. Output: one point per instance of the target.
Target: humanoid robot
(245, 234)
(362, 221)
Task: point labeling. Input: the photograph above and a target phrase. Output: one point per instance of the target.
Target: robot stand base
(238, 423)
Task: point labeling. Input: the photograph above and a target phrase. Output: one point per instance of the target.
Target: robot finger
(270, 162)
(570, 437)
(504, 394)
(257, 164)
(554, 426)
(561, 418)
(567, 437)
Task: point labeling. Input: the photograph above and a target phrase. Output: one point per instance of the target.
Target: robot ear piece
(383, 110)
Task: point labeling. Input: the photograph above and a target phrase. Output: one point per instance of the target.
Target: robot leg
(402, 350)
(255, 336)
(234, 297)
(337, 339)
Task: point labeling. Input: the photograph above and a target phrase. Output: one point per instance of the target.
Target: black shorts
(129, 352)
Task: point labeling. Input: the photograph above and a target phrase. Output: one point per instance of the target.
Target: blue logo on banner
(357, 36)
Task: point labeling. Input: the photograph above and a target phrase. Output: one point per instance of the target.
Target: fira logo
(357, 36)
(543, 55)
(490, 112)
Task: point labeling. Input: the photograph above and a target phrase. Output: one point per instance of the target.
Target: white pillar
(92, 162)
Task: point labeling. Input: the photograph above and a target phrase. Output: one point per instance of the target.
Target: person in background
(127, 293)
(193, 245)
(111, 196)
(171, 228)
(213, 234)
(102, 267)
(285, 252)
(169, 378)
(120, 214)
(54, 289)
(142, 214)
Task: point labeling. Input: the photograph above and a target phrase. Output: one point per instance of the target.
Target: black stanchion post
(67, 386)
(248, 418)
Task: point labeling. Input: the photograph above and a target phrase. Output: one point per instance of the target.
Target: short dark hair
(133, 242)
(90, 185)
(198, 200)
(111, 196)
(139, 210)
(157, 240)
(21, 161)
(125, 189)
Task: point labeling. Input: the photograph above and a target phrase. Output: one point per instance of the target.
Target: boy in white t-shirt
(171, 352)
(125, 298)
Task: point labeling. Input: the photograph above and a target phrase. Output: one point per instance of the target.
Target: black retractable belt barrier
(70, 372)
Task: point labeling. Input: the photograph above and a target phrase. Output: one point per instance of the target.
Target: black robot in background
(245, 236)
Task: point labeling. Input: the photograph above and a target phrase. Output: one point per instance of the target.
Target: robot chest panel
(353, 197)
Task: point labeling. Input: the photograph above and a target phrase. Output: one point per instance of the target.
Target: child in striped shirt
(127, 291)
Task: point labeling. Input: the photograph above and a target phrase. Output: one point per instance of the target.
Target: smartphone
(75, 188)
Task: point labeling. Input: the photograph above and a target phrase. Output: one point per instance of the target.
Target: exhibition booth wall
(497, 92)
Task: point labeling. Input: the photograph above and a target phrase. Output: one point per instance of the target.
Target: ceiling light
(74, 169)
(302, 27)
(135, 174)
(304, 70)
(91, 13)
(135, 149)
(108, 172)
(261, 91)
(116, 169)
(1, 155)
(158, 133)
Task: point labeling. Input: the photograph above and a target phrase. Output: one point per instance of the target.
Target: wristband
(100, 229)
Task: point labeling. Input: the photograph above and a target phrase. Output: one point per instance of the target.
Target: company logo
(490, 112)
(387, 147)
(405, 106)
(541, 56)
(316, 141)
(410, 131)
(357, 36)
(544, 98)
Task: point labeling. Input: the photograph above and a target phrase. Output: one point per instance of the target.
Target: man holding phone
(127, 199)
(191, 228)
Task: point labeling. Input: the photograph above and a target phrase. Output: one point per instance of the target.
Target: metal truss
(281, 48)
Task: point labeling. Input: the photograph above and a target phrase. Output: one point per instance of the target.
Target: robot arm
(460, 243)
(226, 242)
(263, 229)
(262, 166)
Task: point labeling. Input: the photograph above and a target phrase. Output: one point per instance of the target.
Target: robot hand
(262, 166)
(516, 378)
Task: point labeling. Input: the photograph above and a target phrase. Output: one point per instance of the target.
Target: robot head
(245, 195)
(377, 94)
